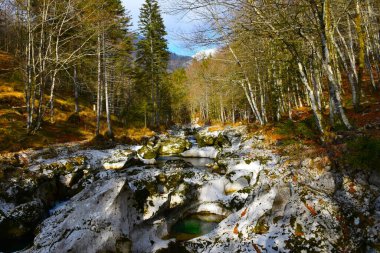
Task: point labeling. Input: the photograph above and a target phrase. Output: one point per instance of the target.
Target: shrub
(304, 129)
(363, 152)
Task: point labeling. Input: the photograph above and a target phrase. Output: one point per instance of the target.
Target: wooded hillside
(275, 60)
(276, 57)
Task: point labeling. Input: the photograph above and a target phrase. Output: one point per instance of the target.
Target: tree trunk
(324, 19)
(51, 101)
(313, 101)
(99, 87)
(76, 91)
(247, 86)
(109, 131)
(361, 54)
(28, 83)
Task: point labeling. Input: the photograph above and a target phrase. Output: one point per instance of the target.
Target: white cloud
(203, 54)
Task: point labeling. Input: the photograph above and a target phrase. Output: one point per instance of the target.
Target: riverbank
(238, 192)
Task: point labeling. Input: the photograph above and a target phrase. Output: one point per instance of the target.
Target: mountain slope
(178, 61)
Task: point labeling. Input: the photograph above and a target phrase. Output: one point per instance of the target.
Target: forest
(271, 59)
(265, 139)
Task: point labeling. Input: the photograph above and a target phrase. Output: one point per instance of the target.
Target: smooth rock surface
(174, 146)
(236, 185)
(118, 160)
(99, 217)
(263, 202)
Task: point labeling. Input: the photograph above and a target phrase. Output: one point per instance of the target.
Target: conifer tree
(152, 58)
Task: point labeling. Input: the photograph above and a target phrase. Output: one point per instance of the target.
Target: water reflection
(194, 226)
(200, 163)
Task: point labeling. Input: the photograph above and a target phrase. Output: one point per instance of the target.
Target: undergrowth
(304, 129)
(363, 153)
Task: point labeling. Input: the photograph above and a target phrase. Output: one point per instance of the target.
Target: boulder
(205, 140)
(205, 152)
(69, 165)
(119, 160)
(222, 141)
(98, 218)
(174, 146)
(147, 153)
(154, 143)
(235, 186)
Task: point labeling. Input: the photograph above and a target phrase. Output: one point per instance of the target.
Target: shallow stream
(200, 163)
(194, 225)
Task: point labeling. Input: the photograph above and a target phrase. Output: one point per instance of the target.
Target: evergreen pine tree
(152, 58)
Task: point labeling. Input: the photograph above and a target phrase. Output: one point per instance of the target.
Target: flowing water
(200, 163)
(191, 227)
(194, 225)
(186, 228)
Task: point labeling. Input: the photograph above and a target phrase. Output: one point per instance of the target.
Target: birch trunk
(99, 86)
(109, 130)
(76, 91)
(28, 83)
(313, 102)
(361, 54)
(325, 22)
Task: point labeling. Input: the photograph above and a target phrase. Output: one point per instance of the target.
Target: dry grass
(139, 133)
(13, 94)
(64, 105)
(67, 126)
(7, 62)
(272, 137)
(4, 88)
(133, 135)
(215, 128)
(11, 99)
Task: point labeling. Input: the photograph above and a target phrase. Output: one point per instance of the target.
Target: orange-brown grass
(4, 88)
(370, 111)
(135, 134)
(7, 62)
(67, 126)
(215, 128)
(11, 99)
(269, 131)
(273, 137)
(301, 113)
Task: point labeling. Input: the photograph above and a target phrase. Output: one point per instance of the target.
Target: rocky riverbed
(191, 190)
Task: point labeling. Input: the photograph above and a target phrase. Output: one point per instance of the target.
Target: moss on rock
(205, 140)
(222, 141)
(174, 146)
(147, 153)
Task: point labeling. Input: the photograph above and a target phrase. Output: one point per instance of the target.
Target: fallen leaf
(311, 209)
(236, 231)
(244, 212)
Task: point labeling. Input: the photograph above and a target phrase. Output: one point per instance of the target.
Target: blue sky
(174, 25)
